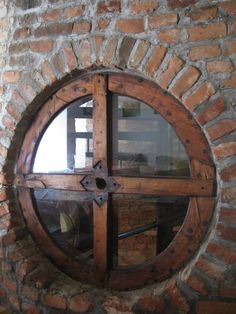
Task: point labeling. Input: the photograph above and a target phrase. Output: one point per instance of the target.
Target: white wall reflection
(52, 151)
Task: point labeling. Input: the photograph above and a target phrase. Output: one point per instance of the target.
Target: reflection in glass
(144, 226)
(143, 142)
(66, 145)
(68, 218)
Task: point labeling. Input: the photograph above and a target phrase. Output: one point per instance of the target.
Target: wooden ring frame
(202, 179)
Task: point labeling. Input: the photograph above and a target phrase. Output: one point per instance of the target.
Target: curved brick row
(49, 45)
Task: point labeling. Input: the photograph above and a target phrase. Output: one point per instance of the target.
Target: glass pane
(144, 226)
(68, 218)
(66, 145)
(144, 143)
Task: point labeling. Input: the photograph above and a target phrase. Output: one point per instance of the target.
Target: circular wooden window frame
(200, 187)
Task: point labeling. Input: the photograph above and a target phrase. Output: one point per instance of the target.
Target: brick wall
(188, 47)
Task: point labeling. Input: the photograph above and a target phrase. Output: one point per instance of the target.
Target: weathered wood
(164, 186)
(172, 258)
(170, 109)
(44, 116)
(51, 181)
(76, 89)
(200, 187)
(100, 215)
(75, 268)
(99, 120)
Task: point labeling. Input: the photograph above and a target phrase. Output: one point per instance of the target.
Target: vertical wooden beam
(100, 212)
(100, 120)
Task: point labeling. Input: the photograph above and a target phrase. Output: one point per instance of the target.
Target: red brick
(224, 150)
(185, 82)
(59, 63)
(103, 23)
(53, 15)
(215, 307)
(82, 27)
(212, 111)
(226, 232)
(233, 27)
(98, 42)
(10, 285)
(80, 304)
(203, 14)
(4, 210)
(125, 49)
(3, 23)
(169, 36)
(13, 111)
(180, 3)
(197, 285)
(54, 29)
(54, 301)
(130, 25)
(227, 255)
(41, 278)
(116, 305)
(21, 33)
(12, 236)
(174, 66)
(157, 21)
(229, 7)
(155, 60)
(201, 94)
(177, 299)
(29, 309)
(41, 46)
(84, 57)
(209, 31)
(229, 195)
(219, 66)
(3, 49)
(221, 128)
(47, 72)
(151, 304)
(11, 77)
(27, 92)
(18, 48)
(18, 101)
(202, 52)
(108, 6)
(227, 291)
(110, 50)
(143, 6)
(210, 269)
(229, 83)
(139, 53)
(228, 214)
(229, 174)
(71, 59)
(3, 194)
(30, 293)
(74, 11)
(28, 19)
(3, 151)
(15, 302)
(230, 48)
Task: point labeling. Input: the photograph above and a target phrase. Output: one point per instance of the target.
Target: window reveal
(133, 197)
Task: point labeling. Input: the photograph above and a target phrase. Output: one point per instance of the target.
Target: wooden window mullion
(100, 212)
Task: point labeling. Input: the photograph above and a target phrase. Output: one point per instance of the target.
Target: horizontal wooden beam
(51, 181)
(164, 186)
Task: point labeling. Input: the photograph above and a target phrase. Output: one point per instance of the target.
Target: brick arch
(184, 82)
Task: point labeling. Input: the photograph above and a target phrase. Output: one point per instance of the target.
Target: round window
(115, 181)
